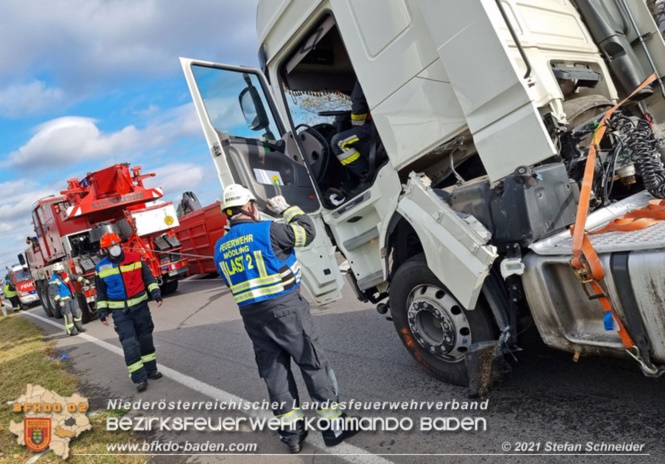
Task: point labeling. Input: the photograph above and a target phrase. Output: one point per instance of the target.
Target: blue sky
(89, 83)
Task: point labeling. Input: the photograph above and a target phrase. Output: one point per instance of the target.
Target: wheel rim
(438, 323)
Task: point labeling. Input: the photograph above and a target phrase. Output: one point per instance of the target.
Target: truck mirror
(21, 259)
(252, 109)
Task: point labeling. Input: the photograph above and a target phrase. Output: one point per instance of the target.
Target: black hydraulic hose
(515, 38)
(647, 162)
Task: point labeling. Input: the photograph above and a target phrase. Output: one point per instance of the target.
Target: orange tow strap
(585, 261)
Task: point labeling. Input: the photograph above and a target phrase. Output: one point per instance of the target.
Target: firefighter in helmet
(61, 290)
(257, 260)
(123, 284)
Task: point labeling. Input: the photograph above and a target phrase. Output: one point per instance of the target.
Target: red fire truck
(68, 228)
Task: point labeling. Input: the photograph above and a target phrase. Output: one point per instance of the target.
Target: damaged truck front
(495, 129)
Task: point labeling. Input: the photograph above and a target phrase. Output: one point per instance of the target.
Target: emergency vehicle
(21, 279)
(68, 228)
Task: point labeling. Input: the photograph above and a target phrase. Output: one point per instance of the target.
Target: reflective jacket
(9, 293)
(122, 284)
(257, 259)
(62, 288)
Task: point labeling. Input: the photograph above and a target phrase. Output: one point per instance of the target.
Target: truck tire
(55, 308)
(579, 110)
(42, 291)
(87, 314)
(168, 287)
(435, 329)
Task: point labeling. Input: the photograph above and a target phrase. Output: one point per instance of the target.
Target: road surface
(547, 403)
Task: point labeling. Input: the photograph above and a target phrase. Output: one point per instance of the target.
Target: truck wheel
(43, 298)
(435, 329)
(86, 314)
(42, 291)
(55, 308)
(168, 287)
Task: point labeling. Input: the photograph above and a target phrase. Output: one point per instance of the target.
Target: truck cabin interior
(318, 79)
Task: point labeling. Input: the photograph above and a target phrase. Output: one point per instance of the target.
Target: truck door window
(225, 96)
(252, 137)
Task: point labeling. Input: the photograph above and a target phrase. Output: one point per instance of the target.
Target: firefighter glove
(277, 204)
(61, 303)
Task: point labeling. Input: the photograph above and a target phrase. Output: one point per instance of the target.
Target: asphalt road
(548, 399)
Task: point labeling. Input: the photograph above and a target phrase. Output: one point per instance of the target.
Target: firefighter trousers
(281, 330)
(16, 303)
(134, 328)
(71, 313)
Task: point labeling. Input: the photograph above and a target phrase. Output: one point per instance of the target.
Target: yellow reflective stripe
(329, 414)
(291, 416)
(295, 268)
(225, 271)
(135, 367)
(66, 280)
(153, 286)
(292, 212)
(131, 267)
(352, 156)
(61, 298)
(256, 283)
(300, 234)
(57, 297)
(149, 357)
(108, 272)
(77, 319)
(264, 291)
(135, 301)
(102, 304)
(358, 117)
(260, 264)
(348, 141)
(131, 302)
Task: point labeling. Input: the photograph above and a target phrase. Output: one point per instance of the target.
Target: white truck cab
(482, 114)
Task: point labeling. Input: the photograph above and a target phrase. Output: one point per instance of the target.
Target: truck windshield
(305, 106)
(21, 275)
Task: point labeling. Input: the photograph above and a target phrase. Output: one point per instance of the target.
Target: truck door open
(247, 141)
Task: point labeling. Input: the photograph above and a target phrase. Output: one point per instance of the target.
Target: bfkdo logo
(37, 433)
(49, 420)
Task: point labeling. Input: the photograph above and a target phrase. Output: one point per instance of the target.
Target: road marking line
(344, 451)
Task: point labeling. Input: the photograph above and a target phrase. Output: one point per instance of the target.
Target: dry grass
(24, 359)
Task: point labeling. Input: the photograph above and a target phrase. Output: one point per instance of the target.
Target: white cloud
(29, 98)
(71, 139)
(15, 216)
(177, 177)
(82, 45)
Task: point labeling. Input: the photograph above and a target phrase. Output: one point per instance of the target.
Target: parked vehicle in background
(20, 277)
(199, 230)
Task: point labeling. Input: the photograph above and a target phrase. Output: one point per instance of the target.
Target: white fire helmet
(235, 195)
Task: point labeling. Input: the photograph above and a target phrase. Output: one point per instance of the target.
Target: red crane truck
(68, 228)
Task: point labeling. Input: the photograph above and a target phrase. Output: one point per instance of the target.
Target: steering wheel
(345, 113)
(318, 161)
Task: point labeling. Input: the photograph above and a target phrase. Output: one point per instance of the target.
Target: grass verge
(26, 357)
